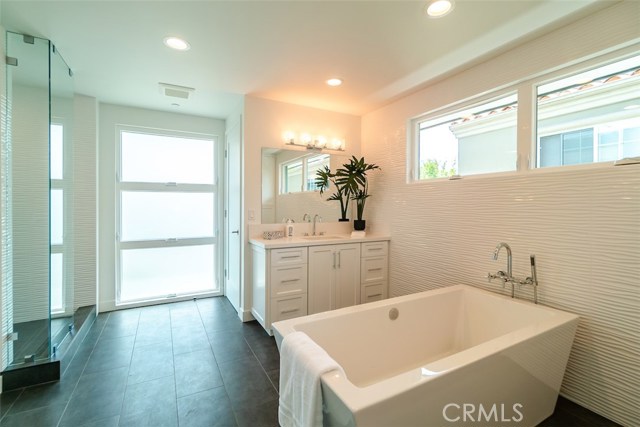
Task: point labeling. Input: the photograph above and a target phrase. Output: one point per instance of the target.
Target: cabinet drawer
(373, 292)
(288, 280)
(288, 256)
(373, 269)
(288, 308)
(374, 249)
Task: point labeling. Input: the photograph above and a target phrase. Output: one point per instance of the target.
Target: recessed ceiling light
(439, 8)
(334, 82)
(176, 43)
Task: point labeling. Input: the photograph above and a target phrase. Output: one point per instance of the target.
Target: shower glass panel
(38, 199)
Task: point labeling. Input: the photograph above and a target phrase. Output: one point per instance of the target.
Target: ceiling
(281, 50)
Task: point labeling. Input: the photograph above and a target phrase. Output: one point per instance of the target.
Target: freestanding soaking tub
(452, 356)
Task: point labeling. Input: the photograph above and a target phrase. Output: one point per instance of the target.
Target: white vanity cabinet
(279, 278)
(334, 277)
(374, 271)
(295, 277)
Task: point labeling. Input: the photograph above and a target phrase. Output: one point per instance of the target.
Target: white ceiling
(282, 50)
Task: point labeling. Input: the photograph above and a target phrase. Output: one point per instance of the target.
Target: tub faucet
(316, 218)
(508, 277)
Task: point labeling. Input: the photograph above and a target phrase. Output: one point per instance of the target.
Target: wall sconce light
(312, 142)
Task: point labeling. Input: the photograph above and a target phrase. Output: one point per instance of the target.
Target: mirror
(288, 185)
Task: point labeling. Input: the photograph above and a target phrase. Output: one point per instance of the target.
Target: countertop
(330, 239)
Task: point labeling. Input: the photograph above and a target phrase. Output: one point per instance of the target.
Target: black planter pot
(343, 220)
(359, 224)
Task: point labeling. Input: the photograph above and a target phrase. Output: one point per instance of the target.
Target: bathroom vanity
(296, 276)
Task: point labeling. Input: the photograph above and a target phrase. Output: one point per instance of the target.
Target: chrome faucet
(306, 218)
(501, 275)
(316, 218)
(508, 276)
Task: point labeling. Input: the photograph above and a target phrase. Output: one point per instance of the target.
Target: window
(473, 140)
(300, 174)
(590, 117)
(167, 216)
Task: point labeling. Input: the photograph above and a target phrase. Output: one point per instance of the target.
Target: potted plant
(351, 183)
(324, 178)
(356, 179)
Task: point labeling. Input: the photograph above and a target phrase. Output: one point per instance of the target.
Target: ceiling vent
(175, 91)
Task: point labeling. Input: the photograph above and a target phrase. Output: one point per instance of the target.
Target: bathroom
(581, 222)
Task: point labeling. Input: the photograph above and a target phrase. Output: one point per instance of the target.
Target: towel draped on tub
(302, 363)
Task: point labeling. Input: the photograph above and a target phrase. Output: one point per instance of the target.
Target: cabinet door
(347, 284)
(321, 277)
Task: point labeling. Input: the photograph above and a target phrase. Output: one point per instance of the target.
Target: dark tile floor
(188, 364)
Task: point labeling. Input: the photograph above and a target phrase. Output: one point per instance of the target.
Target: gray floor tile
(207, 408)
(150, 403)
(105, 422)
(7, 399)
(98, 396)
(196, 371)
(47, 416)
(39, 396)
(188, 339)
(228, 345)
(246, 382)
(151, 362)
(111, 353)
(261, 415)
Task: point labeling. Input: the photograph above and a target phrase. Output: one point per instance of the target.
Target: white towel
(302, 363)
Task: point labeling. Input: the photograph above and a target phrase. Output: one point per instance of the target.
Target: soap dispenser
(289, 228)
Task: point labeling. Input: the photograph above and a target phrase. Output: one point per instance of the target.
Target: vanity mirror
(288, 185)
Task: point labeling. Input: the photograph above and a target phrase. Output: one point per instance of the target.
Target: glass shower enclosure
(37, 202)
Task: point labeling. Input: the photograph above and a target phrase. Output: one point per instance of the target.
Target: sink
(322, 237)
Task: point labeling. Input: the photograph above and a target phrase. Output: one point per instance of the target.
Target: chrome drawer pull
(289, 311)
(374, 249)
(289, 280)
(375, 295)
(374, 269)
(290, 256)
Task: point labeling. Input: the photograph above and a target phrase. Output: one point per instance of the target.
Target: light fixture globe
(334, 81)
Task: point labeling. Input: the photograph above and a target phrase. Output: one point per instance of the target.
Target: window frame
(413, 151)
(304, 160)
(526, 122)
(122, 186)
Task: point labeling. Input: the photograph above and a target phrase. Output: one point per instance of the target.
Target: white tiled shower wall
(583, 224)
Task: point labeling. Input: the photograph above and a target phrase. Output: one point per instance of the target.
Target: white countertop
(330, 239)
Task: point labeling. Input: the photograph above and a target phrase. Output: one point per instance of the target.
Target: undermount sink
(321, 237)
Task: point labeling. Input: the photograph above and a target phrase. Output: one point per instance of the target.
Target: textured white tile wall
(30, 202)
(84, 209)
(582, 225)
(6, 260)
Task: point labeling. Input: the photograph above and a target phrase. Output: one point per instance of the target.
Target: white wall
(109, 117)
(265, 121)
(583, 224)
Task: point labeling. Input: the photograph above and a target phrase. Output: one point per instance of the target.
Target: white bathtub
(454, 356)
